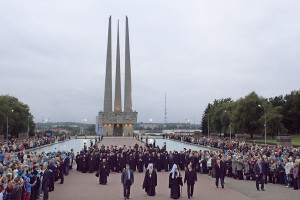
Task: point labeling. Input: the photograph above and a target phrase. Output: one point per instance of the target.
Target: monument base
(117, 123)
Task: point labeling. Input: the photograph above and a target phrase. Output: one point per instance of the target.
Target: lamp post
(265, 123)
(7, 126)
(229, 124)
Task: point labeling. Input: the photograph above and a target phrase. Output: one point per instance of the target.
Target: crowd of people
(263, 163)
(127, 159)
(16, 145)
(236, 159)
(26, 175)
(31, 175)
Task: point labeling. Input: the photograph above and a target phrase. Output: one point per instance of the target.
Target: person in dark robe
(170, 160)
(158, 163)
(113, 161)
(182, 157)
(132, 163)
(103, 172)
(91, 162)
(175, 181)
(61, 168)
(140, 163)
(118, 163)
(175, 159)
(45, 181)
(146, 159)
(84, 163)
(52, 170)
(96, 159)
(204, 165)
(150, 180)
(35, 189)
(166, 161)
(85, 147)
(190, 178)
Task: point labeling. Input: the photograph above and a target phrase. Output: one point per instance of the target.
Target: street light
(265, 124)
(229, 124)
(7, 126)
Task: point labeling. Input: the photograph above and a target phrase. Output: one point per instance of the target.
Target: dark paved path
(85, 186)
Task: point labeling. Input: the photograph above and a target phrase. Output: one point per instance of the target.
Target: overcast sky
(52, 54)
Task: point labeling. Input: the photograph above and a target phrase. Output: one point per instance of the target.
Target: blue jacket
(28, 186)
(1, 157)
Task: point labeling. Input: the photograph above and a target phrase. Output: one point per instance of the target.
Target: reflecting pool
(77, 145)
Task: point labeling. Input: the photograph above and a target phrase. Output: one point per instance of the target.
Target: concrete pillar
(127, 92)
(108, 74)
(118, 103)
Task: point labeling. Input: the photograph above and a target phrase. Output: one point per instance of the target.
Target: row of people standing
(138, 159)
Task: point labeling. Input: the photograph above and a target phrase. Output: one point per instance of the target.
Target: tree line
(15, 117)
(250, 114)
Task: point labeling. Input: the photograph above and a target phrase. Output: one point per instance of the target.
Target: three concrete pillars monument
(117, 122)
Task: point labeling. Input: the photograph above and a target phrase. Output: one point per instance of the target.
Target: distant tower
(165, 109)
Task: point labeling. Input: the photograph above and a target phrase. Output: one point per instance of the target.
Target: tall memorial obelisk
(117, 122)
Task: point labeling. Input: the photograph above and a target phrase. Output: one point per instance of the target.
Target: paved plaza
(86, 186)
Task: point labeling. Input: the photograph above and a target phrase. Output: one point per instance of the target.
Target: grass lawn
(295, 140)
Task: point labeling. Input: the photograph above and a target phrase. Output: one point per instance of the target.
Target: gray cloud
(52, 54)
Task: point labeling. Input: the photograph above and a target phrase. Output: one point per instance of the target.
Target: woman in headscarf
(150, 180)
(175, 180)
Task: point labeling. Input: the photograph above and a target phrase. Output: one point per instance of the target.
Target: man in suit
(127, 180)
(52, 170)
(190, 177)
(259, 169)
(223, 170)
(46, 181)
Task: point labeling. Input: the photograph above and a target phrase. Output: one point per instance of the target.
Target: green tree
(246, 114)
(273, 119)
(18, 115)
(213, 112)
(291, 112)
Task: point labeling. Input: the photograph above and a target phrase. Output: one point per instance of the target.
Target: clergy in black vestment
(140, 163)
(96, 158)
(84, 163)
(165, 158)
(132, 163)
(91, 163)
(118, 163)
(150, 180)
(175, 181)
(103, 172)
(158, 163)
